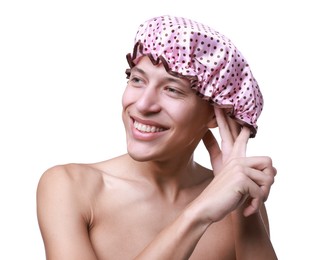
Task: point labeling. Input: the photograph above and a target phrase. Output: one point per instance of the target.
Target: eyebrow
(170, 78)
(138, 70)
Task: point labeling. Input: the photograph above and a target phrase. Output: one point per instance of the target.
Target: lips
(147, 128)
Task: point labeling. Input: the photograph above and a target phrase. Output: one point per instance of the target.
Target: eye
(170, 89)
(135, 81)
(173, 91)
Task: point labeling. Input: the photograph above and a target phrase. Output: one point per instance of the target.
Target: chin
(143, 153)
(140, 157)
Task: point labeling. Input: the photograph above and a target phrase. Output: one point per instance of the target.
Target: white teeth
(147, 128)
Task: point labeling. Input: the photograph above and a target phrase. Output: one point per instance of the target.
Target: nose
(149, 101)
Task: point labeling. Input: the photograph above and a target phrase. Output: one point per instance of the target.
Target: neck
(167, 177)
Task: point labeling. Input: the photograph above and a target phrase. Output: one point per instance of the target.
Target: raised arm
(251, 232)
(240, 187)
(226, 193)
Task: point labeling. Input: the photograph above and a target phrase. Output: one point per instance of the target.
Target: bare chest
(124, 236)
(128, 216)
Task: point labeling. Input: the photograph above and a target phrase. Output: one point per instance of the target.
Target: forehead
(147, 68)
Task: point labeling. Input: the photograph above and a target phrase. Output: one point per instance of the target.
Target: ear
(212, 123)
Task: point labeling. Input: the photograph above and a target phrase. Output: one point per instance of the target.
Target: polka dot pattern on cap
(217, 70)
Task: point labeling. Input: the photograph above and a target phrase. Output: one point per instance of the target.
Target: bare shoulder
(78, 180)
(65, 200)
(68, 187)
(70, 174)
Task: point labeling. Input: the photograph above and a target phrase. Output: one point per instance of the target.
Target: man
(156, 202)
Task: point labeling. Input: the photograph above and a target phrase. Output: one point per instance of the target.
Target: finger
(261, 172)
(259, 177)
(223, 126)
(263, 163)
(262, 179)
(213, 148)
(234, 126)
(255, 198)
(269, 169)
(270, 172)
(211, 143)
(240, 144)
(253, 207)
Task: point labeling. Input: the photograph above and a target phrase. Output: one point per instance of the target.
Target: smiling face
(163, 116)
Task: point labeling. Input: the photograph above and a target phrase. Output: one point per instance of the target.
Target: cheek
(127, 98)
(197, 117)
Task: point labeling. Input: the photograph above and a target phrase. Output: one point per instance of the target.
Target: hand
(237, 178)
(232, 145)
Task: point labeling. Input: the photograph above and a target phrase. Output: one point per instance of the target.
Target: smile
(147, 128)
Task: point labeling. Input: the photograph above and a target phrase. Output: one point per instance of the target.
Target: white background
(62, 69)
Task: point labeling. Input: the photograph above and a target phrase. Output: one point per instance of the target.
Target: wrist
(196, 216)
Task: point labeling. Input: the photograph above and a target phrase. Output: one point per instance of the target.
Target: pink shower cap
(216, 69)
